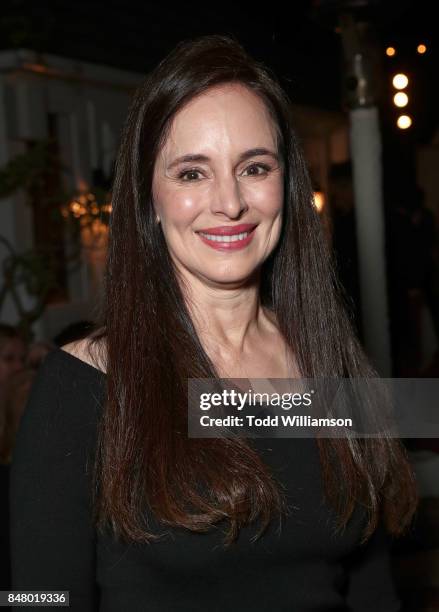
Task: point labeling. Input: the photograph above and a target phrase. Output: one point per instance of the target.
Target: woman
(161, 520)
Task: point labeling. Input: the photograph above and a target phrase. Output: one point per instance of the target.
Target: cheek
(177, 208)
(266, 195)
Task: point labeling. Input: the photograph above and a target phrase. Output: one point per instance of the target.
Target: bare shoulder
(85, 351)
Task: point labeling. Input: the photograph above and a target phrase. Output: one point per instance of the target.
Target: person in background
(424, 284)
(37, 352)
(414, 278)
(12, 361)
(13, 402)
(16, 390)
(12, 351)
(344, 237)
(18, 367)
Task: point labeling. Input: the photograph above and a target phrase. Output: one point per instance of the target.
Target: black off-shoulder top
(301, 567)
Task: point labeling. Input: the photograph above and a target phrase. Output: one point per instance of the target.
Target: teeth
(232, 238)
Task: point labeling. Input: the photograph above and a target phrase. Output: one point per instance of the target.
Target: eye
(256, 168)
(189, 175)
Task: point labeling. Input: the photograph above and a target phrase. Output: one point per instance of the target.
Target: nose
(228, 198)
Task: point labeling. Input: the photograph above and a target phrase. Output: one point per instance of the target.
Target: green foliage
(33, 272)
(24, 170)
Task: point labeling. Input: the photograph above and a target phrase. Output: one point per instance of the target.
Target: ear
(157, 218)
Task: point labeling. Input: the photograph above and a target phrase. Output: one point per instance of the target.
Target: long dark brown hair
(144, 457)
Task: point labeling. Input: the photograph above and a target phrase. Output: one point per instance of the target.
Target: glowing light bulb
(400, 81)
(400, 99)
(404, 122)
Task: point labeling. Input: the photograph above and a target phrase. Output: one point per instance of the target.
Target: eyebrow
(197, 157)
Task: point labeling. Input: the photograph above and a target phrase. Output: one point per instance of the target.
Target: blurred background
(362, 78)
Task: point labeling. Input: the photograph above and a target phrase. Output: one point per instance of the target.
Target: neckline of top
(73, 358)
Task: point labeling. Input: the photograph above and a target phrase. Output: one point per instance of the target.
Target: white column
(366, 156)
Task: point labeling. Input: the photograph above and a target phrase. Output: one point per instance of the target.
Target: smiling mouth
(232, 238)
(228, 242)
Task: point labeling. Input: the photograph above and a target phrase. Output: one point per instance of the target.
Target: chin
(228, 276)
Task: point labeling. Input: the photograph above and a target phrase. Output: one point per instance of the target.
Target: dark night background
(297, 40)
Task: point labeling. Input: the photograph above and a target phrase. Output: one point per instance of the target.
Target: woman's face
(219, 171)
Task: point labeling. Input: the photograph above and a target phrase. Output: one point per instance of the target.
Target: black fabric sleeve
(370, 584)
(52, 537)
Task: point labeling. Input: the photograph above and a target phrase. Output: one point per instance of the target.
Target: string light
(404, 122)
(400, 99)
(88, 211)
(400, 81)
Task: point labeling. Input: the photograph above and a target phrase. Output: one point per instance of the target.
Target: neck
(226, 318)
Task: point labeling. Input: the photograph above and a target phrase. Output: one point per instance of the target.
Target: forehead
(228, 114)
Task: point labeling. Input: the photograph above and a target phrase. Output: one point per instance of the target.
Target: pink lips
(227, 230)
